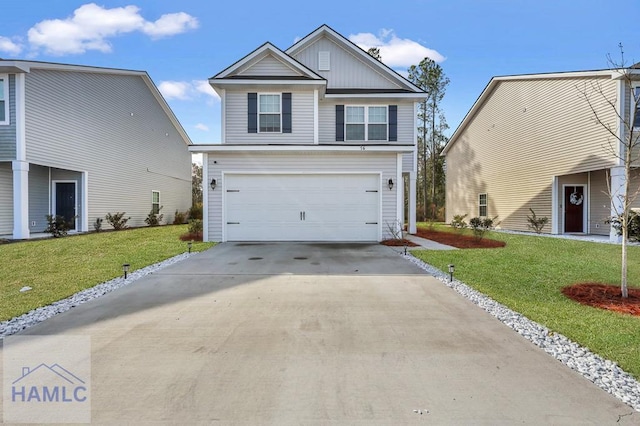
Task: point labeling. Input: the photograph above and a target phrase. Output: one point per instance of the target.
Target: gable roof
(326, 31)
(495, 81)
(21, 66)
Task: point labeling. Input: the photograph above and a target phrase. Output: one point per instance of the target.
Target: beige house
(531, 141)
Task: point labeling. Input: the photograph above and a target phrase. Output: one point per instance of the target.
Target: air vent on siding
(324, 61)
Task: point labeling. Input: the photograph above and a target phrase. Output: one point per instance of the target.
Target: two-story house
(532, 142)
(81, 142)
(318, 144)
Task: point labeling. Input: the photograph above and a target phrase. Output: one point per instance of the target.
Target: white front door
(302, 207)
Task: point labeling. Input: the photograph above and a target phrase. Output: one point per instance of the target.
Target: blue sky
(183, 43)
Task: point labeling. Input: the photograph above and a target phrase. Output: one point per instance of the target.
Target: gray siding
(599, 203)
(347, 70)
(407, 162)
(8, 133)
(38, 197)
(302, 121)
(6, 199)
(112, 127)
(385, 163)
(268, 66)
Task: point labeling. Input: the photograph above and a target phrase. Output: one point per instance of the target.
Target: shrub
(153, 218)
(97, 225)
(117, 220)
(633, 226)
(458, 223)
(195, 212)
(195, 231)
(536, 223)
(481, 226)
(180, 218)
(57, 226)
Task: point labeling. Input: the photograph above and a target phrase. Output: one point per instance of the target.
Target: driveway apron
(316, 334)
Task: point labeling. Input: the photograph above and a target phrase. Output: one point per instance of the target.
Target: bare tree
(375, 52)
(623, 142)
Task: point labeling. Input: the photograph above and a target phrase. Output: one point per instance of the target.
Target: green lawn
(528, 274)
(58, 268)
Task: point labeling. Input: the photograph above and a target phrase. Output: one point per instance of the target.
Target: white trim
(366, 123)
(6, 99)
(375, 95)
(223, 205)
(223, 112)
(279, 95)
(380, 189)
(302, 148)
(53, 199)
(316, 119)
(159, 200)
(205, 196)
(485, 205)
(617, 178)
(555, 212)
(253, 82)
(21, 138)
(20, 199)
(412, 202)
(621, 102)
(585, 205)
(416, 106)
(85, 202)
(399, 193)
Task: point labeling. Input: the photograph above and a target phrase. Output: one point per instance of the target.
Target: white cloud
(91, 26)
(202, 127)
(9, 46)
(185, 90)
(396, 51)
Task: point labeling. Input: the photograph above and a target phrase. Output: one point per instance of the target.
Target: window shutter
(286, 113)
(253, 112)
(339, 122)
(393, 123)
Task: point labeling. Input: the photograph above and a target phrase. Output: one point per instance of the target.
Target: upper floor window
(269, 117)
(269, 112)
(366, 123)
(4, 99)
(635, 104)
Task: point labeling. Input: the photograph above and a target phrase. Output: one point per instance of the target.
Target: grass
(528, 274)
(57, 268)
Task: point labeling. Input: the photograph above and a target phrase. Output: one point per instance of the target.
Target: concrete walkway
(289, 334)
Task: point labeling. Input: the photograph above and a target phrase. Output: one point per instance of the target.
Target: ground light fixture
(213, 184)
(189, 245)
(390, 184)
(125, 269)
(451, 269)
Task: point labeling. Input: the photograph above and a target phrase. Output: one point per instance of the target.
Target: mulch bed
(458, 240)
(604, 296)
(399, 243)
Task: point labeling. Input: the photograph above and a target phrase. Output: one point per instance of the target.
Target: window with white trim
(366, 123)
(269, 113)
(635, 105)
(4, 99)
(155, 202)
(482, 205)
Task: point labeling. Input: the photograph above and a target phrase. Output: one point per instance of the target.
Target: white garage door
(320, 207)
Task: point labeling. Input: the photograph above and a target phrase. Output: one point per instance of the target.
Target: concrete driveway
(316, 334)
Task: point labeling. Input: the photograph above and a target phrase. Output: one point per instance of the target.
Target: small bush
(536, 223)
(117, 220)
(195, 231)
(481, 226)
(180, 218)
(57, 226)
(153, 218)
(195, 212)
(458, 223)
(97, 225)
(633, 226)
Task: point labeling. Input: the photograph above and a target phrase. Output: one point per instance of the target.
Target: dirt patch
(458, 240)
(399, 243)
(604, 296)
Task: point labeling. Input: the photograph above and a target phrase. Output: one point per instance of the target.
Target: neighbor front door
(574, 209)
(66, 202)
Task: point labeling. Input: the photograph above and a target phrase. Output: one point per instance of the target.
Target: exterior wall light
(125, 269)
(451, 269)
(390, 184)
(213, 184)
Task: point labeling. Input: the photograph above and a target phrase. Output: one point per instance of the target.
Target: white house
(81, 142)
(318, 144)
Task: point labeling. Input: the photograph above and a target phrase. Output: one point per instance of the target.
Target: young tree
(623, 142)
(196, 183)
(429, 76)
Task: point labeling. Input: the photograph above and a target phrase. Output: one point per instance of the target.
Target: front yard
(58, 268)
(528, 274)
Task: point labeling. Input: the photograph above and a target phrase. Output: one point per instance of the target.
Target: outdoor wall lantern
(214, 183)
(390, 184)
(451, 269)
(125, 269)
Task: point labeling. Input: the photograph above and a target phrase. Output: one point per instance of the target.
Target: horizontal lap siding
(527, 132)
(6, 199)
(8, 132)
(600, 203)
(236, 105)
(39, 191)
(268, 66)
(112, 127)
(384, 163)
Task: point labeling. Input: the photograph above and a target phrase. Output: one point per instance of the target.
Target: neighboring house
(81, 142)
(531, 141)
(317, 143)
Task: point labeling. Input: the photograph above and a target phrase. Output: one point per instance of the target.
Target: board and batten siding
(526, 133)
(268, 66)
(111, 127)
(347, 71)
(311, 163)
(8, 131)
(236, 121)
(6, 198)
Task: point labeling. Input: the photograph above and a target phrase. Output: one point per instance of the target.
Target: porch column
(412, 202)
(617, 189)
(20, 199)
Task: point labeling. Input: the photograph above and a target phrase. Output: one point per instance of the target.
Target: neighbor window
(269, 117)
(155, 202)
(4, 99)
(482, 205)
(636, 105)
(366, 123)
